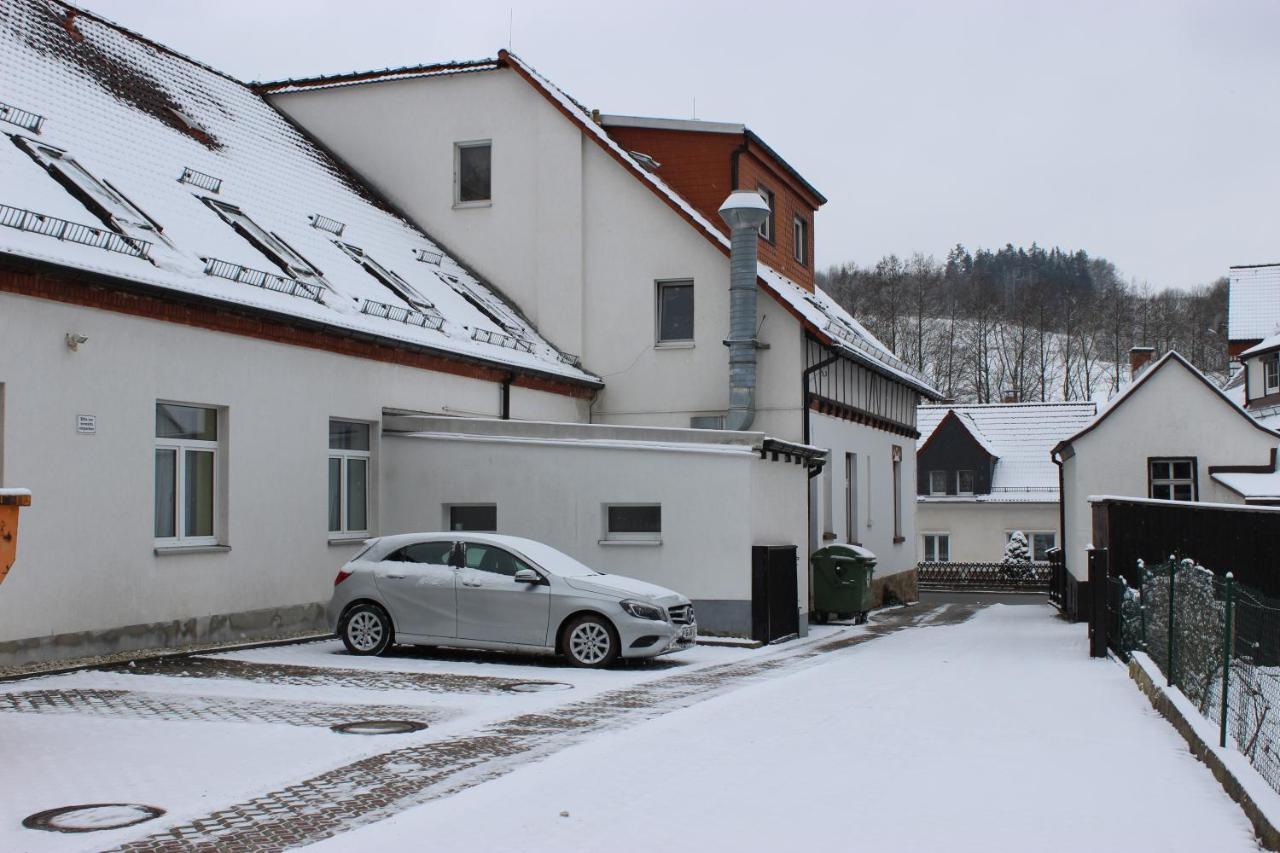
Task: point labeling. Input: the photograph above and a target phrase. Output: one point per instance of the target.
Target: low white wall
(86, 559)
(716, 504)
(978, 530)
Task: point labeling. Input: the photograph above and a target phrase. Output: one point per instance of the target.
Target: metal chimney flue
(744, 211)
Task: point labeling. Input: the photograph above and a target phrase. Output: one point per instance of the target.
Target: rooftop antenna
(511, 18)
(695, 106)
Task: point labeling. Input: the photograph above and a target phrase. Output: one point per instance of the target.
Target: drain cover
(379, 727)
(92, 817)
(538, 686)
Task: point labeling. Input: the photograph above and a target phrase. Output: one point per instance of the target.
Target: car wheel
(820, 616)
(590, 641)
(366, 630)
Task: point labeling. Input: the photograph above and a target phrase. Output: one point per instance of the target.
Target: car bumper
(643, 638)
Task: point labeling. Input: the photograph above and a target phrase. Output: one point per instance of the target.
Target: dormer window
(964, 482)
(103, 200)
(472, 173)
(1271, 374)
(937, 482)
(267, 242)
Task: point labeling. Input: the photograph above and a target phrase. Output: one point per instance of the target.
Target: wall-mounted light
(74, 341)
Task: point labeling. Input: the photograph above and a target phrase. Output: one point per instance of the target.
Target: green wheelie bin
(842, 582)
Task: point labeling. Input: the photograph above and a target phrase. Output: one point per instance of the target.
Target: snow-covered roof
(352, 78)
(1253, 302)
(1265, 345)
(1020, 435)
(823, 314)
(1252, 486)
(179, 166)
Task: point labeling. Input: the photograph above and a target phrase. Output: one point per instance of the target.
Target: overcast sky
(1147, 133)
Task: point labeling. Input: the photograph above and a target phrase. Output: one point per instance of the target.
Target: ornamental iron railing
(988, 577)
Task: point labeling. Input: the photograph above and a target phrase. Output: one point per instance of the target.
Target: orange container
(9, 506)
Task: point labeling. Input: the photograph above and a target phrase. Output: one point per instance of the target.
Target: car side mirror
(527, 576)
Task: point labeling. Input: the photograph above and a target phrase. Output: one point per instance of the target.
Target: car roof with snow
(124, 159)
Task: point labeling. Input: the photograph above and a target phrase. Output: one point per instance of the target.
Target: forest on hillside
(1040, 324)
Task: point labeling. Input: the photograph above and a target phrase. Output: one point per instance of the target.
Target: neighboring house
(983, 471)
(1253, 305)
(604, 230)
(208, 324)
(1170, 434)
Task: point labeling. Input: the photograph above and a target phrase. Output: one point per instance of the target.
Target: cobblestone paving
(316, 676)
(377, 787)
(222, 709)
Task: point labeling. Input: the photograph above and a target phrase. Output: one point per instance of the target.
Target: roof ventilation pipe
(743, 211)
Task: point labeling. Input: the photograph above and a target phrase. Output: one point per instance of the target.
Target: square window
(937, 482)
(937, 547)
(1172, 479)
(477, 518)
(675, 311)
(186, 475)
(1042, 544)
(473, 172)
(633, 522)
(964, 482)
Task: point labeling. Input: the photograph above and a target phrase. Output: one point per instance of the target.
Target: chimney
(1139, 358)
(743, 211)
(1008, 395)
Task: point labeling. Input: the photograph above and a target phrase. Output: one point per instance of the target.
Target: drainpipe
(743, 211)
(504, 410)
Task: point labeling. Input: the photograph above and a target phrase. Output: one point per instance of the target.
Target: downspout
(1062, 505)
(743, 211)
(504, 408)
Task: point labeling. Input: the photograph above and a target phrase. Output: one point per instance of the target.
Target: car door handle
(395, 577)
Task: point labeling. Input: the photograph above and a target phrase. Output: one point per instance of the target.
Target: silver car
(485, 591)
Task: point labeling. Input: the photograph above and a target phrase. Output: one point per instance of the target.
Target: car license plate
(687, 633)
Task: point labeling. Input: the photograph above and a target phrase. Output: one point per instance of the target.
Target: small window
(675, 312)
(937, 547)
(1173, 479)
(103, 200)
(477, 518)
(633, 523)
(937, 482)
(766, 227)
(349, 456)
(1042, 544)
(489, 558)
(800, 235)
(267, 242)
(964, 482)
(186, 475)
(472, 167)
(1271, 374)
(430, 553)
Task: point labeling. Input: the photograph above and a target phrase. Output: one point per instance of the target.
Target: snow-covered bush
(1017, 555)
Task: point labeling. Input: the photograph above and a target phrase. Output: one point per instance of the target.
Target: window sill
(176, 550)
(348, 540)
(674, 345)
(630, 542)
(463, 205)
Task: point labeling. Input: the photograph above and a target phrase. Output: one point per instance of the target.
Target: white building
(984, 471)
(608, 238)
(1171, 434)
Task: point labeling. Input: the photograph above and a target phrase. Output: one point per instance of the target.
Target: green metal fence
(1215, 640)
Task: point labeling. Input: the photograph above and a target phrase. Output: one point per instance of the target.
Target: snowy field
(1000, 734)
(995, 734)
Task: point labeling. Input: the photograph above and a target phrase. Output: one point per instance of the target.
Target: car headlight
(641, 610)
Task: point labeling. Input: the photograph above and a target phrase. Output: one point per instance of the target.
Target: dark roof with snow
(124, 159)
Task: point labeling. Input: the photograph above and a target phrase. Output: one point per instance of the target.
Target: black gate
(774, 614)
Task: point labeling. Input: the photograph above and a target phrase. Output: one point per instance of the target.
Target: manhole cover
(92, 817)
(538, 686)
(379, 727)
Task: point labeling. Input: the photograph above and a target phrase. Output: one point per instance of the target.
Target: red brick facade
(702, 168)
(80, 289)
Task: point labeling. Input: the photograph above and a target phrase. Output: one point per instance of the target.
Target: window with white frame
(1041, 542)
(936, 547)
(476, 518)
(851, 498)
(675, 312)
(186, 475)
(633, 523)
(766, 227)
(473, 172)
(1271, 374)
(349, 458)
(800, 237)
(1173, 479)
(964, 482)
(937, 482)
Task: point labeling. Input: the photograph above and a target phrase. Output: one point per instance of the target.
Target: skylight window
(487, 306)
(103, 200)
(388, 278)
(268, 243)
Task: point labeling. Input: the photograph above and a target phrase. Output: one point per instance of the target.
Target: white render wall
(716, 504)
(875, 491)
(978, 530)
(85, 555)
(571, 236)
(1172, 413)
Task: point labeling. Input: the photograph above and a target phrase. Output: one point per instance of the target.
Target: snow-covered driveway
(996, 734)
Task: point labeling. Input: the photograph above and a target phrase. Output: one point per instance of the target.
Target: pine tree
(1017, 551)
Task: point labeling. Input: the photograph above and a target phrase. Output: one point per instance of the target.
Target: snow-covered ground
(997, 734)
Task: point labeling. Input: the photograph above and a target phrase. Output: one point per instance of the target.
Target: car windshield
(556, 562)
